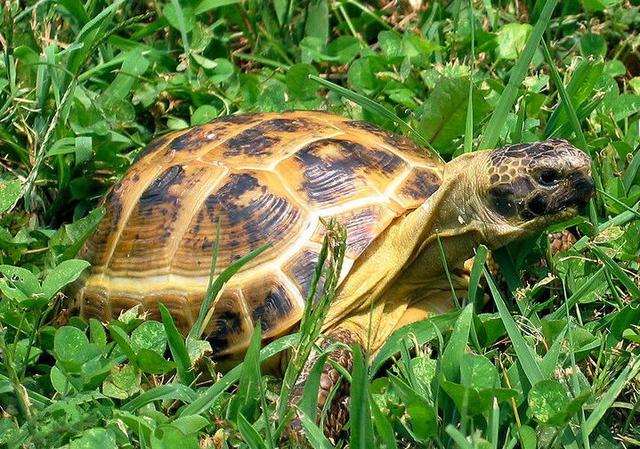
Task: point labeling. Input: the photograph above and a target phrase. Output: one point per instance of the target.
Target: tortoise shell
(269, 178)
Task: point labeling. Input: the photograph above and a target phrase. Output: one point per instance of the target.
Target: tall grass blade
(518, 73)
(421, 331)
(452, 355)
(476, 271)
(174, 391)
(314, 434)
(360, 410)
(383, 426)
(329, 266)
(468, 133)
(208, 304)
(615, 269)
(208, 397)
(524, 353)
(249, 434)
(566, 101)
(177, 346)
(606, 401)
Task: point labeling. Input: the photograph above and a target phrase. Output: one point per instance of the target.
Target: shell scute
(254, 209)
(272, 303)
(333, 171)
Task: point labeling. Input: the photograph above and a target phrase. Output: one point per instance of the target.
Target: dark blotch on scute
(251, 142)
(502, 200)
(158, 191)
(263, 218)
(422, 186)
(190, 140)
(255, 141)
(113, 202)
(302, 271)
(274, 308)
(224, 324)
(327, 177)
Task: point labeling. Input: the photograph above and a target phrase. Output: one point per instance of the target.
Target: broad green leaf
(443, 116)
(133, 66)
(19, 278)
(204, 114)
(62, 275)
(150, 335)
(151, 362)
(9, 194)
(72, 348)
(298, 82)
(512, 38)
(97, 438)
(317, 24)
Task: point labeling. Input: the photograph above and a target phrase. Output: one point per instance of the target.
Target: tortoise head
(532, 185)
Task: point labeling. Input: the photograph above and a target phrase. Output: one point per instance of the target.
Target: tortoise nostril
(537, 205)
(549, 177)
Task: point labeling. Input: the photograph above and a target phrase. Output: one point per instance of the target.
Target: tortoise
(273, 178)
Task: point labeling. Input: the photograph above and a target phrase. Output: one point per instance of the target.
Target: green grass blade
(476, 271)
(175, 391)
(615, 269)
(422, 332)
(566, 102)
(208, 397)
(518, 73)
(314, 434)
(525, 354)
(208, 304)
(458, 437)
(383, 426)
(177, 346)
(249, 434)
(592, 283)
(245, 399)
(468, 133)
(452, 355)
(606, 401)
(309, 401)
(359, 410)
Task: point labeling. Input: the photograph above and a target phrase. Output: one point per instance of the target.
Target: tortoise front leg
(339, 408)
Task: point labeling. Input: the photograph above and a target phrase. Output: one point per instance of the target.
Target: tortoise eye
(549, 177)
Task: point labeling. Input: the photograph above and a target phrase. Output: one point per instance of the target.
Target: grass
(551, 361)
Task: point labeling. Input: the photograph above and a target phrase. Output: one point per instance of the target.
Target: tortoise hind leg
(338, 411)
